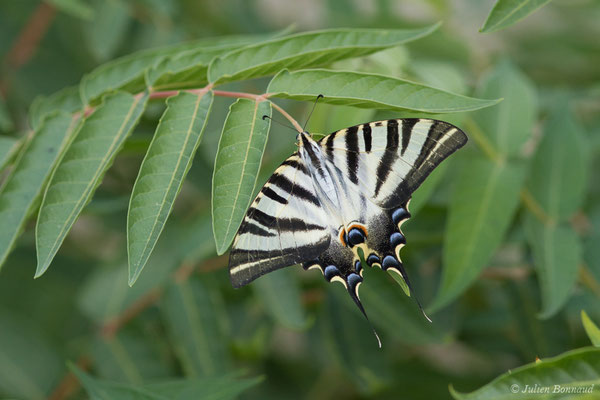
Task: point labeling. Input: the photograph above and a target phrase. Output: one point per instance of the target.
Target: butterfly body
(339, 197)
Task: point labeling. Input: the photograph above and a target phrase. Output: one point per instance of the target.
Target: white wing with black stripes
(285, 225)
(339, 203)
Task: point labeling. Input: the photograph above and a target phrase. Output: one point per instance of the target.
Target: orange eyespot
(360, 227)
(347, 235)
(342, 236)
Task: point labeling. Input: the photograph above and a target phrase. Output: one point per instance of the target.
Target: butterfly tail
(354, 280)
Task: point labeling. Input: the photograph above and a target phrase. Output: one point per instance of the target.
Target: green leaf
(161, 174)
(369, 91)
(190, 310)
(81, 169)
(76, 8)
(21, 191)
(591, 329)
(507, 12)
(575, 370)
(66, 100)
(215, 388)
(307, 49)
(29, 363)
(559, 170)
(280, 296)
(483, 204)
(510, 124)
(236, 169)
(187, 69)
(8, 148)
(127, 73)
(557, 252)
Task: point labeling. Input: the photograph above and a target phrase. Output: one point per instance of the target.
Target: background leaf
(162, 172)
(128, 357)
(76, 8)
(559, 170)
(591, 329)
(280, 296)
(509, 124)
(487, 189)
(557, 253)
(105, 32)
(486, 195)
(557, 183)
(21, 191)
(507, 12)
(29, 364)
(81, 169)
(365, 90)
(305, 50)
(214, 388)
(237, 163)
(191, 311)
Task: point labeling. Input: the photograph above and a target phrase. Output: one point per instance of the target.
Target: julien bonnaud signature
(554, 389)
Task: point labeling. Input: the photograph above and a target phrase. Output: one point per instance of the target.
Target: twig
(237, 95)
(112, 326)
(26, 44)
(535, 208)
(588, 280)
(69, 383)
(482, 141)
(517, 273)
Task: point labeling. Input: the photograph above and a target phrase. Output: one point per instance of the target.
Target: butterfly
(339, 203)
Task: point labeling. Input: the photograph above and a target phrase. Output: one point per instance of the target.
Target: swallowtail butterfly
(348, 191)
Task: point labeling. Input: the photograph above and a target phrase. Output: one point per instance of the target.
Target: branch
(26, 44)
(69, 383)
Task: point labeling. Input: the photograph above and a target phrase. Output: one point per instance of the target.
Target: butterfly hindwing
(285, 225)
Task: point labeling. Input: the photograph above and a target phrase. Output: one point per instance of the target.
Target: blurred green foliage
(502, 249)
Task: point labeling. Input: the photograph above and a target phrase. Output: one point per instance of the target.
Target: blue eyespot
(397, 238)
(390, 262)
(353, 280)
(373, 259)
(357, 266)
(400, 214)
(355, 236)
(330, 272)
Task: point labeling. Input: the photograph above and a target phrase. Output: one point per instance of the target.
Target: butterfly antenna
(354, 296)
(412, 292)
(309, 115)
(279, 122)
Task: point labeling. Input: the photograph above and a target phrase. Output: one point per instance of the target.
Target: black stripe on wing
(352, 155)
(442, 140)
(284, 183)
(389, 156)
